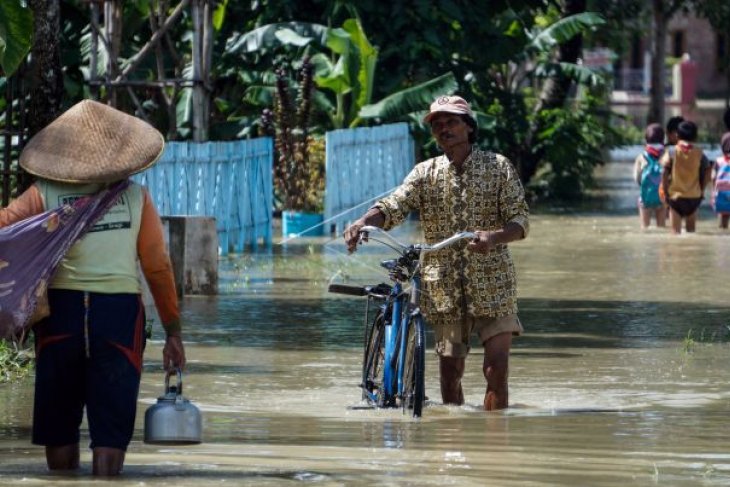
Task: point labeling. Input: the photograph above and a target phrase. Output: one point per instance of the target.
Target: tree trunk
(658, 54)
(46, 76)
(554, 93)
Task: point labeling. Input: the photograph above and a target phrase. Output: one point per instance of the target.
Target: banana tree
(16, 34)
(345, 71)
(536, 61)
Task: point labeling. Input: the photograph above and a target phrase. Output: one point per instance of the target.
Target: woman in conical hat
(89, 349)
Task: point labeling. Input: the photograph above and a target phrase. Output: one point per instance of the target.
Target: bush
(15, 361)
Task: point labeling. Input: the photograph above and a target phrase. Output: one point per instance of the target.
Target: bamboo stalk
(138, 104)
(148, 83)
(154, 39)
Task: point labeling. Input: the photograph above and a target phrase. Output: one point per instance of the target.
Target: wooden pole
(148, 83)
(199, 134)
(208, 61)
(113, 27)
(155, 21)
(94, 49)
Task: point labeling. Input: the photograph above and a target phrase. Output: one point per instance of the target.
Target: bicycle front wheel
(414, 368)
(372, 368)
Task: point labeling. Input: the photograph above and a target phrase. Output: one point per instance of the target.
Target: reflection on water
(620, 378)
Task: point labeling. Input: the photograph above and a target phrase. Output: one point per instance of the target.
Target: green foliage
(562, 31)
(496, 54)
(348, 71)
(15, 361)
(574, 142)
(345, 62)
(16, 34)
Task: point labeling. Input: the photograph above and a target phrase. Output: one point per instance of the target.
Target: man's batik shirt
(485, 196)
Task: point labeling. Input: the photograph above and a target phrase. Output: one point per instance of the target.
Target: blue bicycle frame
(396, 337)
(393, 361)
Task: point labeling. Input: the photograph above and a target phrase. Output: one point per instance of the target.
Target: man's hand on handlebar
(483, 242)
(353, 235)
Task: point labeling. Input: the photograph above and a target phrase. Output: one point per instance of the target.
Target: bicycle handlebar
(422, 247)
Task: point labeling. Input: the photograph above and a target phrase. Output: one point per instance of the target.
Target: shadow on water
(338, 323)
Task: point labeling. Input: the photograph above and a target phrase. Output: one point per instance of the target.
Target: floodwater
(622, 376)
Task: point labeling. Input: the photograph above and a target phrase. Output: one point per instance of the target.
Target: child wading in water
(648, 175)
(686, 172)
(721, 183)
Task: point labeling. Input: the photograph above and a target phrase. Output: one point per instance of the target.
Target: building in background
(686, 35)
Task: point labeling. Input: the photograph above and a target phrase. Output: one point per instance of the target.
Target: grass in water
(688, 343)
(15, 361)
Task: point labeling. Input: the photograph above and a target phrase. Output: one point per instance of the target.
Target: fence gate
(12, 136)
(231, 181)
(364, 164)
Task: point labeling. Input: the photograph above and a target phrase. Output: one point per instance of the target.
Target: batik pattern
(485, 196)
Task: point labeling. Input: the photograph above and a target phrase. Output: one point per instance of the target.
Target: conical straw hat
(92, 143)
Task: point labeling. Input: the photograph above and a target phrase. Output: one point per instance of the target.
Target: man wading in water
(468, 288)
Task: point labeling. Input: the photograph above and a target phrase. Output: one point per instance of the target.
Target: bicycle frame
(402, 310)
(396, 335)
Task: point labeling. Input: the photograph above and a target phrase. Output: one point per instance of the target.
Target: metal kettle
(173, 420)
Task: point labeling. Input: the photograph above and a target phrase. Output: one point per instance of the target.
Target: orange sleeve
(156, 266)
(28, 204)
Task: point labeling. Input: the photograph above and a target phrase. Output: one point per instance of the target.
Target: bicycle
(393, 370)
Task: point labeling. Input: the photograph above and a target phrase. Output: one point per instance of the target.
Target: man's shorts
(685, 206)
(100, 369)
(452, 339)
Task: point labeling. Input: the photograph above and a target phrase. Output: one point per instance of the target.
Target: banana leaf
(563, 30)
(16, 34)
(410, 100)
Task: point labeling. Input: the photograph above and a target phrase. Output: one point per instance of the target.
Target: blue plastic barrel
(297, 223)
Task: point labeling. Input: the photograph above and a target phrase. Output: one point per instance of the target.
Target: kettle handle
(179, 380)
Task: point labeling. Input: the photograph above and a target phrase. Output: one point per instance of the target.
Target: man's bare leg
(451, 370)
(496, 371)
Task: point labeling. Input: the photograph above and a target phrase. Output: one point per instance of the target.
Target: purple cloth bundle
(32, 249)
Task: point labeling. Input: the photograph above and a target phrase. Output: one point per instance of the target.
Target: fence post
(193, 244)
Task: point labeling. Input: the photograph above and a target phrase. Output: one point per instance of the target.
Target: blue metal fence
(362, 165)
(231, 181)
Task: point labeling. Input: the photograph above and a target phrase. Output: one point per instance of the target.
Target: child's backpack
(721, 190)
(651, 181)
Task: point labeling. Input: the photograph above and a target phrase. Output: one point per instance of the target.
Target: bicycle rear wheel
(414, 369)
(373, 367)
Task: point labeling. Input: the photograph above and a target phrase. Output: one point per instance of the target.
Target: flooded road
(622, 376)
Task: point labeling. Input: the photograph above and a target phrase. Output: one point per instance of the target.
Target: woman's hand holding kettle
(173, 353)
